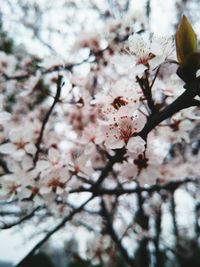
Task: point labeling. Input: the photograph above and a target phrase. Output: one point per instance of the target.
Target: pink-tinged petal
(30, 148)
(38, 200)
(27, 135)
(15, 135)
(8, 177)
(156, 61)
(45, 190)
(4, 116)
(27, 163)
(114, 143)
(124, 62)
(42, 165)
(129, 170)
(137, 45)
(7, 148)
(18, 154)
(13, 166)
(139, 121)
(59, 190)
(53, 155)
(136, 145)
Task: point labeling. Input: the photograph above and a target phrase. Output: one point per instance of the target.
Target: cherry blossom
(54, 181)
(144, 53)
(121, 128)
(79, 163)
(20, 175)
(20, 143)
(95, 137)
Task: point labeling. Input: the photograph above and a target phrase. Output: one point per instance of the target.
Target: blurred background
(53, 30)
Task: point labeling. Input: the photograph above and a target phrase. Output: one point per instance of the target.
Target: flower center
(13, 188)
(34, 191)
(119, 101)
(144, 60)
(55, 182)
(125, 133)
(20, 144)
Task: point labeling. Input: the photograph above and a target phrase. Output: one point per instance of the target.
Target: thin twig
(170, 186)
(113, 234)
(44, 123)
(23, 219)
(54, 230)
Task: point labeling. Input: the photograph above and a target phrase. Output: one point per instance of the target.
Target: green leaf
(186, 41)
(187, 71)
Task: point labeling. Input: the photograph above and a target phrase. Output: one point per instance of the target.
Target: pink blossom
(121, 128)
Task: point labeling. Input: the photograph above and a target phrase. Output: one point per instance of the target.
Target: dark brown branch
(44, 123)
(197, 226)
(185, 100)
(4, 166)
(158, 221)
(54, 230)
(146, 90)
(43, 72)
(68, 66)
(170, 186)
(173, 212)
(118, 157)
(142, 219)
(111, 231)
(88, 227)
(23, 219)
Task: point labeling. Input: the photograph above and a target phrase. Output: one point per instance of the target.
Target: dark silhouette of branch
(185, 100)
(54, 230)
(158, 220)
(23, 219)
(56, 68)
(197, 226)
(174, 218)
(4, 166)
(142, 219)
(68, 66)
(111, 231)
(146, 90)
(170, 186)
(56, 100)
(118, 157)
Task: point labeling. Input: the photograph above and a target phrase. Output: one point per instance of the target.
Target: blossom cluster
(54, 147)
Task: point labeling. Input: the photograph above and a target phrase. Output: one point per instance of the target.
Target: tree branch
(54, 230)
(112, 233)
(170, 186)
(183, 101)
(56, 99)
(23, 219)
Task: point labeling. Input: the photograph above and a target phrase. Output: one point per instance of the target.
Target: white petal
(53, 154)
(27, 163)
(13, 166)
(139, 121)
(30, 148)
(156, 61)
(7, 148)
(136, 145)
(114, 143)
(15, 135)
(45, 190)
(59, 190)
(42, 165)
(4, 116)
(18, 154)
